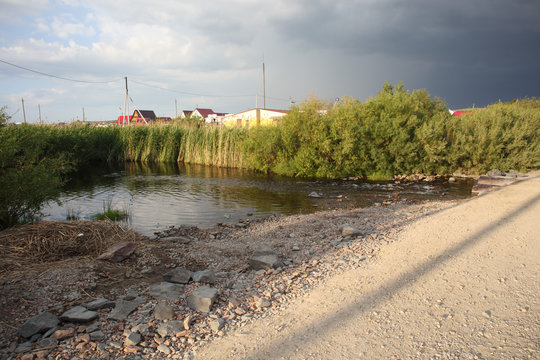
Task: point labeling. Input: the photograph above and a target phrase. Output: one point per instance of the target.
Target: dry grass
(58, 240)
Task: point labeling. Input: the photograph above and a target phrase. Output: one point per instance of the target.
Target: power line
(137, 82)
(190, 93)
(59, 77)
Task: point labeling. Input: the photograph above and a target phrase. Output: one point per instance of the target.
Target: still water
(160, 195)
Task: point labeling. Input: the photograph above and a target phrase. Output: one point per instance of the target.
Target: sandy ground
(461, 283)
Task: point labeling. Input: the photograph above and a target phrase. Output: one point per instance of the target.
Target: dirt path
(460, 284)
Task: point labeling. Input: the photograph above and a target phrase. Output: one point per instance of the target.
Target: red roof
(204, 112)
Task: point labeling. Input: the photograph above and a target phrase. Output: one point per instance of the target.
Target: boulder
(118, 252)
(205, 276)
(202, 299)
(38, 324)
(265, 257)
(178, 276)
(79, 314)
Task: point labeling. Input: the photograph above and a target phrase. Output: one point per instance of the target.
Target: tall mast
(264, 88)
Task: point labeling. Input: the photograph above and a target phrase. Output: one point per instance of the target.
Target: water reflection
(159, 195)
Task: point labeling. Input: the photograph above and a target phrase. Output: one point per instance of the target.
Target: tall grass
(210, 145)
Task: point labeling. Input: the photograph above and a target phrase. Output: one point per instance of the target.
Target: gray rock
(122, 309)
(142, 329)
(24, 347)
(97, 336)
(79, 314)
(163, 311)
(119, 252)
(315, 195)
(166, 291)
(347, 230)
(177, 239)
(133, 339)
(91, 328)
(264, 257)
(100, 304)
(202, 299)
(205, 276)
(170, 328)
(495, 172)
(178, 276)
(164, 349)
(47, 343)
(38, 324)
(217, 324)
(50, 332)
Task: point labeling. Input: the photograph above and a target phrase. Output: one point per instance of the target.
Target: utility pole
(176, 107)
(39, 110)
(83, 116)
(264, 89)
(24, 112)
(126, 105)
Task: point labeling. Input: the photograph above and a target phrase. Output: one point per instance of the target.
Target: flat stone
(170, 328)
(38, 324)
(348, 230)
(264, 257)
(118, 252)
(178, 276)
(217, 324)
(163, 311)
(164, 349)
(133, 339)
(167, 291)
(47, 343)
(205, 276)
(202, 299)
(315, 195)
(24, 347)
(79, 314)
(141, 329)
(122, 309)
(99, 304)
(97, 336)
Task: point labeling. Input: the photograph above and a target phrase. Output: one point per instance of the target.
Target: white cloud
(65, 29)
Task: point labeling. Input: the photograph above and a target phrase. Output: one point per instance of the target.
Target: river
(157, 196)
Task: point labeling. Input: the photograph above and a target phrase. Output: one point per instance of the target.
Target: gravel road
(461, 283)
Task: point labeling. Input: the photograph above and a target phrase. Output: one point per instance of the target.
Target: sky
(178, 55)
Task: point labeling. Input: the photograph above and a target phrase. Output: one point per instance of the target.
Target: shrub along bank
(396, 132)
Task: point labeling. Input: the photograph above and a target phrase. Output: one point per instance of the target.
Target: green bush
(28, 176)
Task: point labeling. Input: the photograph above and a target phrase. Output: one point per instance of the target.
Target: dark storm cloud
(492, 46)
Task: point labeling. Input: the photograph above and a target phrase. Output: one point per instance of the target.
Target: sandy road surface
(459, 284)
